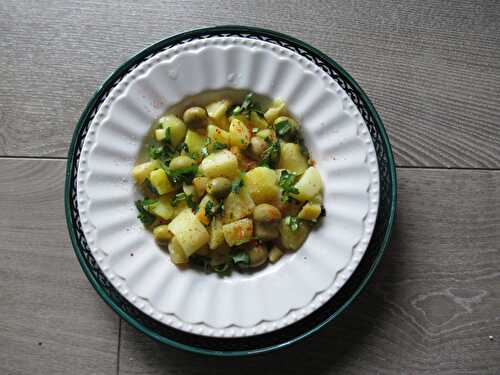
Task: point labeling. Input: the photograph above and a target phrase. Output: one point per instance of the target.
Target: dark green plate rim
(386, 219)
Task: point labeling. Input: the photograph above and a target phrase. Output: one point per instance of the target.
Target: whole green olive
(181, 162)
(258, 255)
(195, 117)
(219, 187)
(266, 213)
(257, 147)
(266, 231)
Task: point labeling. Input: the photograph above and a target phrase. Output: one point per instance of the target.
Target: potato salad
(229, 186)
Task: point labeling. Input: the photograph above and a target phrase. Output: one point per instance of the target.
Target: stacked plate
(245, 313)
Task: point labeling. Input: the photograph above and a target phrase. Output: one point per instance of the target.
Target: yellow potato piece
(189, 231)
(176, 252)
(238, 232)
(309, 185)
(218, 109)
(221, 163)
(310, 211)
(163, 208)
(141, 171)
(160, 181)
(276, 110)
(239, 134)
(161, 233)
(262, 185)
(291, 158)
(217, 134)
(177, 128)
(238, 205)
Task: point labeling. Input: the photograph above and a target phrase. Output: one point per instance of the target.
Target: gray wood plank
(430, 308)
(51, 319)
(431, 68)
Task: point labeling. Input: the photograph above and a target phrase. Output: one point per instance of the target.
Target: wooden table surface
(432, 70)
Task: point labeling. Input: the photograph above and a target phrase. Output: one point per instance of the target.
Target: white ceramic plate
(242, 304)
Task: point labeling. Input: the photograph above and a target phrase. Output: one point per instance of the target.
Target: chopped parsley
(286, 182)
(180, 175)
(146, 217)
(181, 197)
(270, 156)
(237, 184)
(255, 130)
(204, 149)
(292, 222)
(247, 106)
(219, 146)
(241, 258)
(149, 186)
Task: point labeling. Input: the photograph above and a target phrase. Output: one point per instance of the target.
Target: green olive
(258, 255)
(219, 187)
(195, 117)
(266, 231)
(266, 213)
(257, 147)
(181, 162)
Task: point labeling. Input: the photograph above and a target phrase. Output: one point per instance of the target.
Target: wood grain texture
(431, 68)
(429, 309)
(51, 319)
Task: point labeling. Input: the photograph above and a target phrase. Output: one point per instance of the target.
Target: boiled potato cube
(277, 109)
(262, 184)
(242, 118)
(267, 134)
(290, 239)
(177, 254)
(177, 128)
(160, 134)
(162, 233)
(239, 134)
(238, 205)
(275, 254)
(200, 185)
(216, 234)
(195, 142)
(163, 208)
(216, 134)
(258, 121)
(291, 158)
(141, 171)
(188, 230)
(310, 211)
(201, 215)
(238, 232)
(308, 185)
(218, 109)
(222, 123)
(220, 163)
(160, 181)
(244, 162)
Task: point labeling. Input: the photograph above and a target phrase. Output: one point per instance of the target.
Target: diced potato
(318, 199)
(160, 134)
(267, 134)
(141, 171)
(163, 208)
(188, 230)
(180, 207)
(310, 211)
(244, 162)
(262, 185)
(160, 181)
(216, 234)
(238, 205)
(308, 185)
(195, 142)
(258, 121)
(221, 163)
(162, 233)
(276, 109)
(201, 215)
(200, 185)
(177, 254)
(218, 109)
(240, 135)
(222, 123)
(238, 232)
(242, 118)
(176, 126)
(290, 239)
(275, 254)
(291, 158)
(216, 134)
(189, 190)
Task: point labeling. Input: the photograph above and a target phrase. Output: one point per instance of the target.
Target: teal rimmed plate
(290, 333)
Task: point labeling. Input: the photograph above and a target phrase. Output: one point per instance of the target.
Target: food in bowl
(229, 185)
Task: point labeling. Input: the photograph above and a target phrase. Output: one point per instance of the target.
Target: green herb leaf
(144, 215)
(179, 197)
(237, 184)
(236, 110)
(255, 130)
(168, 136)
(182, 147)
(292, 222)
(283, 128)
(286, 182)
(149, 186)
(180, 175)
(219, 146)
(201, 261)
(270, 156)
(241, 258)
